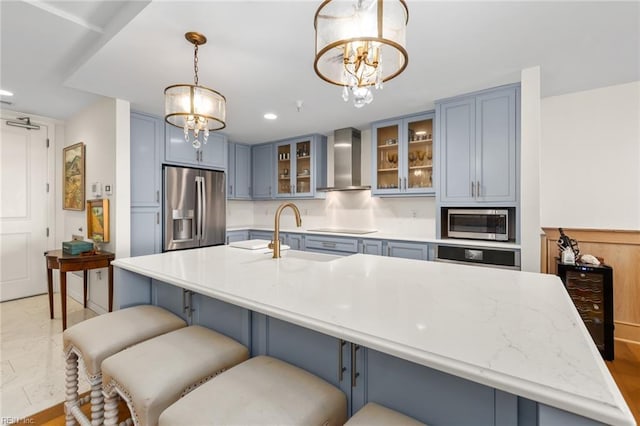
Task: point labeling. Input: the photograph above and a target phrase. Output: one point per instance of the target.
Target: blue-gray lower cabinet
(266, 235)
(172, 298)
(417, 251)
(363, 374)
(146, 232)
(233, 236)
(295, 241)
(342, 246)
(371, 247)
(225, 318)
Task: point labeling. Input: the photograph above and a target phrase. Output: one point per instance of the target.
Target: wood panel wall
(621, 251)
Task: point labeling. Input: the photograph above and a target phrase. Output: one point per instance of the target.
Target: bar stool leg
(71, 388)
(111, 409)
(97, 403)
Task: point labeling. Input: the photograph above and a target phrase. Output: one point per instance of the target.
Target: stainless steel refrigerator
(194, 208)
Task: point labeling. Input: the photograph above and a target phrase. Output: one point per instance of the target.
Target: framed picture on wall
(98, 220)
(73, 177)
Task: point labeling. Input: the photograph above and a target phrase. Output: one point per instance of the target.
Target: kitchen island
(447, 344)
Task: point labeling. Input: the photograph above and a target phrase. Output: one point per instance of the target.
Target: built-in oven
(479, 224)
(480, 256)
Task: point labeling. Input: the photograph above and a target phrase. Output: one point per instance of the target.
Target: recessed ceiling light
(5, 93)
(270, 116)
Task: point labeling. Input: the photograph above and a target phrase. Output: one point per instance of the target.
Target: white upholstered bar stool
(373, 414)
(95, 339)
(261, 391)
(154, 374)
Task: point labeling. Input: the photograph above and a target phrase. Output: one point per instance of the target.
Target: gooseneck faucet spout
(275, 244)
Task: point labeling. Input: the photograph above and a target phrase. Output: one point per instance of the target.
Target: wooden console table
(56, 259)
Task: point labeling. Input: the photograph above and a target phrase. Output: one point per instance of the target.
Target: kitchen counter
(514, 331)
(386, 236)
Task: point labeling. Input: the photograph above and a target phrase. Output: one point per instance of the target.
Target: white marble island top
(514, 331)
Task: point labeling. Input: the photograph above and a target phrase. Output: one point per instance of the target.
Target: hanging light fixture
(192, 107)
(360, 44)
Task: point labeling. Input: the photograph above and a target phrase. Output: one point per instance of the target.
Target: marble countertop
(386, 236)
(515, 331)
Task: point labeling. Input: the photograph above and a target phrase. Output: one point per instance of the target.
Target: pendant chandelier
(360, 44)
(192, 107)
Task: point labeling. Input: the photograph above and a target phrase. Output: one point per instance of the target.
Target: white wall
(590, 159)
(97, 127)
(530, 170)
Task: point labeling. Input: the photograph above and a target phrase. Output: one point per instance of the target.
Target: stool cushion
(373, 414)
(155, 373)
(261, 391)
(100, 337)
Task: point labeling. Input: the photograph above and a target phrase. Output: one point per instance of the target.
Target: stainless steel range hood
(346, 161)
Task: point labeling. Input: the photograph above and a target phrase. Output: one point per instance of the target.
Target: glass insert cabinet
(295, 168)
(403, 160)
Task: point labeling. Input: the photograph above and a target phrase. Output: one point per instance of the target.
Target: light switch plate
(108, 189)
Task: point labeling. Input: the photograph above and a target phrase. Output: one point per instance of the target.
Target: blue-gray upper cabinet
(210, 155)
(402, 160)
(146, 140)
(239, 172)
(262, 171)
(478, 147)
(301, 166)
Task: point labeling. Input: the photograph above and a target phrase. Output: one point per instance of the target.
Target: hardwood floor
(625, 369)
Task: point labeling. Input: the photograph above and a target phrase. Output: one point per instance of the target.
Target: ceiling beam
(48, 7)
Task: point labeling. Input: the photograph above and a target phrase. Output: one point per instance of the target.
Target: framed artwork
(98, 220)
(73, 177)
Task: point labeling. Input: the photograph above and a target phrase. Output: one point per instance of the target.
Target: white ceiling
(57, 56)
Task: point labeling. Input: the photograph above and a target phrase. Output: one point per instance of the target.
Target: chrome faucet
(275, 244)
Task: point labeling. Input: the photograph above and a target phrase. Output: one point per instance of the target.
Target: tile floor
(31, 360)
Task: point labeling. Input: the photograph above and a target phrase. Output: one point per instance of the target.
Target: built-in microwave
(479, 224)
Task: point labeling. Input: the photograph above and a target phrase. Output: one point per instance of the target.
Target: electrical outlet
(77, 237)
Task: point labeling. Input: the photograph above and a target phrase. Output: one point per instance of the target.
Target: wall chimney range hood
(346, 161)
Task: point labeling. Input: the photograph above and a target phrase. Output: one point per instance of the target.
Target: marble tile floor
(31, 361)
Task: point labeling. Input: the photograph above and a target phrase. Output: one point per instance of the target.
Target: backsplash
(356, 210)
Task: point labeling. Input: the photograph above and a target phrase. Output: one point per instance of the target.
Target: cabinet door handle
(405, 183)
(185, 306)
(400, 183)
(157, 218)
(230, 189)
(328, 244)
(473, 189)
(388, 251)
(157, 196)
(478, 188)
(354, 373)
(293, 189)
(341, 367)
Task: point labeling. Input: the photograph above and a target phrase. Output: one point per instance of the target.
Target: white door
(23, 211)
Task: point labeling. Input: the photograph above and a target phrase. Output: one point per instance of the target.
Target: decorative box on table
(76, 247)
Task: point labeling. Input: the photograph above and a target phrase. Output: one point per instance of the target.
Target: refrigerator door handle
(198, 208)
(203, 209)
